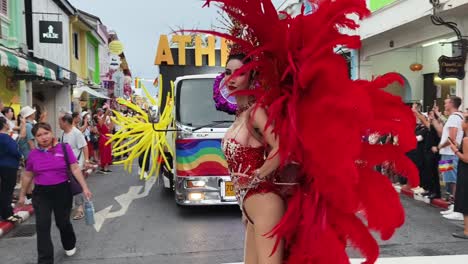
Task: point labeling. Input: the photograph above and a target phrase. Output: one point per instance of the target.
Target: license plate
(228, 189)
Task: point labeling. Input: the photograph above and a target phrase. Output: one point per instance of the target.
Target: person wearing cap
(27, 144)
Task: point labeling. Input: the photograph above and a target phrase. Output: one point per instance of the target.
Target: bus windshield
(195, 105)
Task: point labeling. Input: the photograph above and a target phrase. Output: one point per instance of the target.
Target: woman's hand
(240, 174)
(87, 193)
(434, 149)
(414, 108)
(453, 147)
(244, 220)
(245, 181)
(21, 201)
(43, 117)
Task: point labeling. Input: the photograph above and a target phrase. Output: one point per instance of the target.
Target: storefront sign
(50, 32)
(452, 67)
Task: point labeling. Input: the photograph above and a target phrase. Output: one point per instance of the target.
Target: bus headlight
(196, 196)
(196, 184)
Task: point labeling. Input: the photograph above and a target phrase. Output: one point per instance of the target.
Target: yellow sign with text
(202, 48)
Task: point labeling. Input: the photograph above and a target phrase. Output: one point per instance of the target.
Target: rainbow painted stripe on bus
(200, 157)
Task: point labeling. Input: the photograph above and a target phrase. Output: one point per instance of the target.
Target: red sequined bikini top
(244, 159)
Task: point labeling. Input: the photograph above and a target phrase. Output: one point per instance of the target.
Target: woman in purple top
(47, 167)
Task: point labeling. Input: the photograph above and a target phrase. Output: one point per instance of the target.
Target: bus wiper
(212, 124)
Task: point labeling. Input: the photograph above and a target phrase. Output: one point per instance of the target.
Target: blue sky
(139, 23)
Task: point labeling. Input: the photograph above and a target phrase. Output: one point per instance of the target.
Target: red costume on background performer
(105, 150)
(324, 122)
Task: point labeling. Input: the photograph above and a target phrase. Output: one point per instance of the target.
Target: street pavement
(145, 226)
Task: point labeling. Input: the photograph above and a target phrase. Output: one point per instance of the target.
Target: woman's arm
(462, 156)
(76, 171)
(84, 127)
(26, 179)
(272, 162)
(22, 133)
(438, 126)
(423, 119)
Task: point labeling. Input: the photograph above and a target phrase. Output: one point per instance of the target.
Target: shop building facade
(47, 34)
(400, 37)
(89, 58)
(17, 68)
(48, 49)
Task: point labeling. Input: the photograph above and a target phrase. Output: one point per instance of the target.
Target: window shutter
(4, 7)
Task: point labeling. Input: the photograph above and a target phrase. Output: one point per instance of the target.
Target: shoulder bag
(75, 186)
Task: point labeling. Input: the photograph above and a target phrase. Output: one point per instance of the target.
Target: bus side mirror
(153, 114)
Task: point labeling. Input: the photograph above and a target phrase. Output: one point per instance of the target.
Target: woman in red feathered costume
(311, 113)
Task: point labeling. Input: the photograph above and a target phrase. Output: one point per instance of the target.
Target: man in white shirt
(452, 131)
(73, 137)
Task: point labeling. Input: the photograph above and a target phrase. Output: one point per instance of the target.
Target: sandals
(14, 219)
(460, 235)
(78, 215)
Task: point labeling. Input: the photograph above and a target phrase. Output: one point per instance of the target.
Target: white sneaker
(449, 211)
(27, 201)
(70, 252)
(454, 216)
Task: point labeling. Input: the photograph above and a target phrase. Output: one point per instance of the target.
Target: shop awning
(8, 59)
(80, 90)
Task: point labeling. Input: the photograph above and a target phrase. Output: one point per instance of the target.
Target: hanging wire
(439, 21)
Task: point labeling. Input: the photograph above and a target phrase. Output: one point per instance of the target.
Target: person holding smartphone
(461, 196)
(452, 129)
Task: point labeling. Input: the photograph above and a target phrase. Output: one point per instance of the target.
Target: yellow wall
(9, 92)
(79, 66)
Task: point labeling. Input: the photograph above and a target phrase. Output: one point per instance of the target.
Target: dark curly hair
(3, 122)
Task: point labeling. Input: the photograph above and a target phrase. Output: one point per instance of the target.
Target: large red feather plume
(322, 118)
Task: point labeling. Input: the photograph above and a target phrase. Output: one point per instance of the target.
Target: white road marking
(124, 200)
(454, 259)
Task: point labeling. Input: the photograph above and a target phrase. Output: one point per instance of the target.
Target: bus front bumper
(202, 191)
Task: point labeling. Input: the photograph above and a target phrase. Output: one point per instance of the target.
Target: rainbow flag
(446, 165)
(137, 83)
